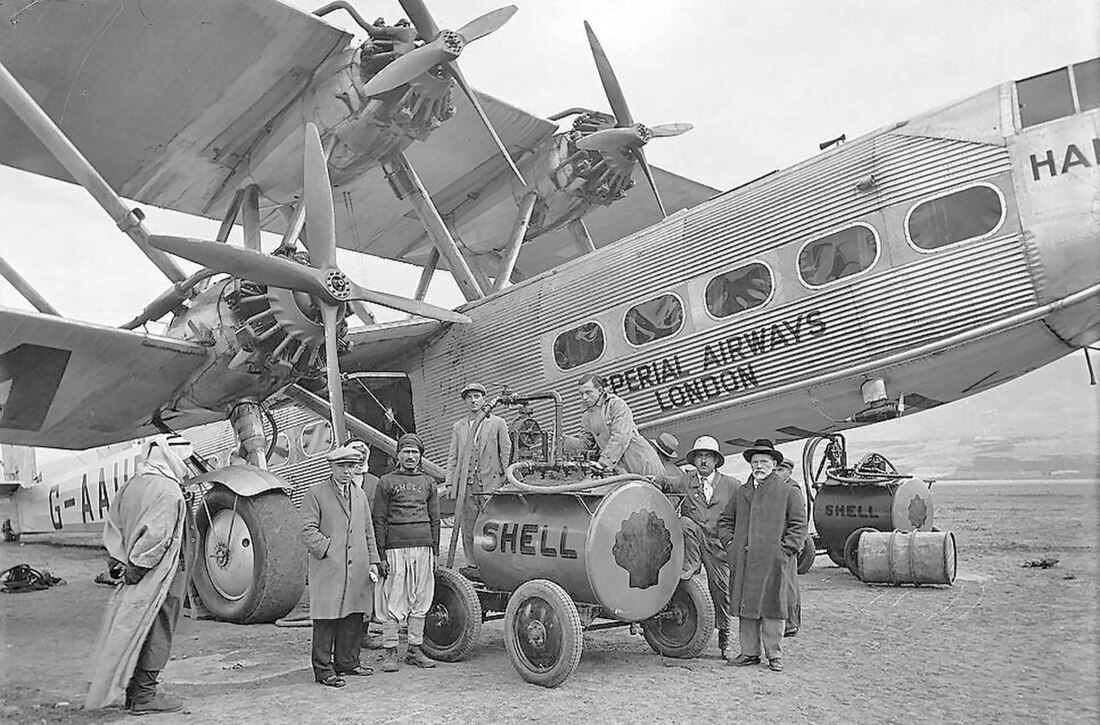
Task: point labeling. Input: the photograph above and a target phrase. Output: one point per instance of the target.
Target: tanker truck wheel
(836, 555)
(543, 633)
(251, 563)
(453, 624)
(807, 555)
(682, 629)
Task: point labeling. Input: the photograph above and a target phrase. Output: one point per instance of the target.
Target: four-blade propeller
(627, 137)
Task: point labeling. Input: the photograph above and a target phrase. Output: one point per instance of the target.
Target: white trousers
(407, 593)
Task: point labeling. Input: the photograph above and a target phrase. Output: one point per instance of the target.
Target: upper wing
(68, 384)
(385, 343)
(162, 96)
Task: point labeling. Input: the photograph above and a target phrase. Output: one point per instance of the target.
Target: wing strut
(581, 236)
(407, 185)
(54, 139)
(519, 231)
(24, 288)
(426, 275)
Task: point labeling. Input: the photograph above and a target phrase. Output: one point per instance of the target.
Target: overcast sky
(763, 83)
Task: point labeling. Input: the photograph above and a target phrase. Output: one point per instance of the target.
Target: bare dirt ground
(1005, 644)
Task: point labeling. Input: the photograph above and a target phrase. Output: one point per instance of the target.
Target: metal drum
(913, 557)
(622, 550)
(840, 509)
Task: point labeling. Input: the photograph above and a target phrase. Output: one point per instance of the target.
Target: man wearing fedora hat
(794, 592)
(706, 493)
(482, 461)
(762, 527)
(667, 447)
(343, 566)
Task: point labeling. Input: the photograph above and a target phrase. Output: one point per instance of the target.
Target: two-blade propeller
(627, 137)
(442, 48)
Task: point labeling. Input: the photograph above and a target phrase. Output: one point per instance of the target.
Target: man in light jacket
(343, 566)
(609, 428)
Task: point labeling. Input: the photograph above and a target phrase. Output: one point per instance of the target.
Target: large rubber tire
(683, 628)
(234, 587)
(851, 550)
(836, 555)
(453, 624)
(543, 633)
(807, 555)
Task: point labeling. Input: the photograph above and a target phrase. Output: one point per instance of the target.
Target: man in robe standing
(343, 564)
(608, 427)
(483, 465)
(762, 529)
(143, 535)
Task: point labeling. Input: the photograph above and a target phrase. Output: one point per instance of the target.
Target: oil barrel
(622, 550)
(907, 557)
(841, 508)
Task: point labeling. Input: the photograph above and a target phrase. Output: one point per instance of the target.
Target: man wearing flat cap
(706, 493)
(762, 527)
(406, 524)
(480, 449)
(343, 566)
(794, 592)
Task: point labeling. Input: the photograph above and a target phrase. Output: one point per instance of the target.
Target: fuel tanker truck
(563, 548)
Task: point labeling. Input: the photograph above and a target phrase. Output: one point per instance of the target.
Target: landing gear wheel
(251, 565)
(453, 624)
(807, 555)
(836, 555)
(851, 550)
(543, 633)
(682, 629)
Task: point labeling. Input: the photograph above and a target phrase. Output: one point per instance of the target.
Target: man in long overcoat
(608, 426)
(794, 592)
(343, 566)
(762, 528)
(483, 465)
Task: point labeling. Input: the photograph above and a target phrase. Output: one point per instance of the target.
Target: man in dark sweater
(406, 527)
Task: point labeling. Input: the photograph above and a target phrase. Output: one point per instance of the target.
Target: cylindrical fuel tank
(907, 557)
(840, 509)
(623, 550)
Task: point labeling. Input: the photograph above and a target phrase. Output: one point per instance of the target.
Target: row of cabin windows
(1050, 95)
(958, 216)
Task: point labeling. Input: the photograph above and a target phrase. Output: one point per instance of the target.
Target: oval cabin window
(652, 320)
(316, 438)
(739, 290)
(281, 454)
(956, 217)
(841, 254)
(578, 346)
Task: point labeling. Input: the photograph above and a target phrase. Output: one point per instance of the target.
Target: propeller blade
(407, 67)
(461, 80)
(332, 373)
(611, 87)
(670, 129)
(640, 155)
(244, 263)
(611, 139)
(414, 307)
(317, 194)
(421, 18)
(490, 22)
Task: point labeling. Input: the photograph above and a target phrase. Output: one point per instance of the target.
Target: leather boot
(417, 658)
(159, 703)
(389, 660)
(724, 643)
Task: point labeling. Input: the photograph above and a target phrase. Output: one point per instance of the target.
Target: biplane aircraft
(922, 263)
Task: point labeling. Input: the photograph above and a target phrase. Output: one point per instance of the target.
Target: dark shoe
(775, 665)
(332, 681)
(160, 703)
(743, 660)
(724, 643)
(389, 660)
(790, 632)
(360, 671)
(417, 658)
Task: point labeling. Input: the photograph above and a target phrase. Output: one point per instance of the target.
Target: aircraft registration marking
(1045, 163)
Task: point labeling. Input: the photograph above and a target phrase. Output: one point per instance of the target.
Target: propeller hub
(644, 134)
(338, 285)
(452, 42)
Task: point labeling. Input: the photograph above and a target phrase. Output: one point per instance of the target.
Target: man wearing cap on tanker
(406, 524)
(484, 464)
(706, 493)
(143, 535)
(343, 564)
(608, 427)
(794, 592)
(762, 527)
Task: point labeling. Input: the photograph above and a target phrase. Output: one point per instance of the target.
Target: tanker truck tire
(683, 628)
(543, 633)
(851, 550)
(251, 563)
(807, 555)
(453, 624)
(836, 555)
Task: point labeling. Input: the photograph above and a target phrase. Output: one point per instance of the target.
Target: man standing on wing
(406, 525)
(762, 528)
(484, 464)
(143, 535)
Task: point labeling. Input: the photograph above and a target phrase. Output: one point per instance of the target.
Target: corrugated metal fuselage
(935, 325)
